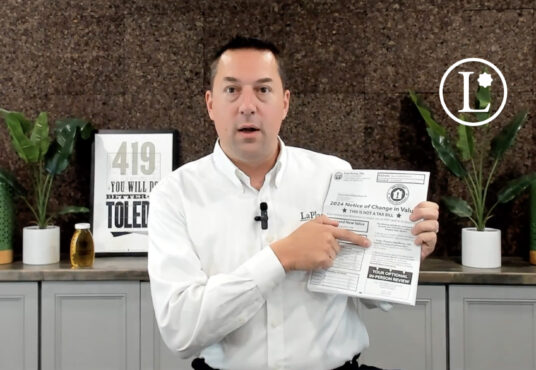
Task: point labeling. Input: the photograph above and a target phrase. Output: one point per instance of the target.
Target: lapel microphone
(263, 218)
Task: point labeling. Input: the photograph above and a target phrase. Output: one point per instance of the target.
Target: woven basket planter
(7, 223)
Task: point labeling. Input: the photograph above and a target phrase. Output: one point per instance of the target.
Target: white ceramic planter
(40, 246)
(481, 248)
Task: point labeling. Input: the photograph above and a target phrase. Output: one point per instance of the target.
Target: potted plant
(475, 159)
(46, 157)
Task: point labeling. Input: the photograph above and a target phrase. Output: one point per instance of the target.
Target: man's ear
(208, 101)
(286, 103)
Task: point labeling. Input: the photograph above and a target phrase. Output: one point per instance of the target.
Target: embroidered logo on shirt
(307, 216)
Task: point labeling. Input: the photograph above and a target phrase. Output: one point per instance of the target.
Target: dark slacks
(200, 364)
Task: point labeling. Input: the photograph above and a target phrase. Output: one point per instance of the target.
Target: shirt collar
(239, 178)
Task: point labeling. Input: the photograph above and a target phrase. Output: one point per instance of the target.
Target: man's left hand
(427, 229)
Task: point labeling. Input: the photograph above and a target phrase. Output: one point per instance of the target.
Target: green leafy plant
(474, 161)
(46, 158)
(7, 178)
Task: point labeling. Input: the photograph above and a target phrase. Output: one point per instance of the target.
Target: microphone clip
(263, 218)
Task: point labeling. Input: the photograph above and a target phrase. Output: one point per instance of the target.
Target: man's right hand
(314, 244)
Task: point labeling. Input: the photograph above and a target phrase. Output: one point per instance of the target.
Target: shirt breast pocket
(222, 240)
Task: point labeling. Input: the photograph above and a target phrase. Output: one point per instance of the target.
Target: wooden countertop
(433, 271)
(104, 268)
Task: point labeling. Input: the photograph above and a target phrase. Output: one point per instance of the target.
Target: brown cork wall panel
(145, 65)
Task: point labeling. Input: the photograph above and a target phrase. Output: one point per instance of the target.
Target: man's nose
(247, 105)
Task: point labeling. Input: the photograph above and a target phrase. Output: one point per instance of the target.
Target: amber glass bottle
(82, 248)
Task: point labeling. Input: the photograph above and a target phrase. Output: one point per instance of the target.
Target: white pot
(40, 246)
(481, 248)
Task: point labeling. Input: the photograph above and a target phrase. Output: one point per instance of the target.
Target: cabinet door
(492, 327)
(18, 325)
(408, 337)
(90, 325)
(154, 353)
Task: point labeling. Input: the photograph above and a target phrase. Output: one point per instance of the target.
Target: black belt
(200, 364)
(352, 364)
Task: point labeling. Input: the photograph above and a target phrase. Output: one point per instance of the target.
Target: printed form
(376, 204)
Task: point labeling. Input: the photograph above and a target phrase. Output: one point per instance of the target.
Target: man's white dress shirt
(217, 287)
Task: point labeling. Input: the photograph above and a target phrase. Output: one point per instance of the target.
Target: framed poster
(127, 164)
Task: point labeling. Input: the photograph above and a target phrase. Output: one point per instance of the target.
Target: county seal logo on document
(398, 194)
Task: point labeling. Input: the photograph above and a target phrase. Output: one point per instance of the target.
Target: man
(222, 285)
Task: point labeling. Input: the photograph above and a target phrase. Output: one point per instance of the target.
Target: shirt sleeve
(194, 310)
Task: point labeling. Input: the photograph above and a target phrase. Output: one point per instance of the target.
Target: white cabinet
(90, 325)
(18, 325)
(111, 325)
(409, 337)
(154, 353)
(492, 327)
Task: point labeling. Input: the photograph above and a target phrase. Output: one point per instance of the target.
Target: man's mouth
(248, 129)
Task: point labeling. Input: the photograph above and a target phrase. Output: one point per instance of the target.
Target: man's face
(247, 104)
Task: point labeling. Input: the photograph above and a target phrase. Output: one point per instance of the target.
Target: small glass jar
(82, 248)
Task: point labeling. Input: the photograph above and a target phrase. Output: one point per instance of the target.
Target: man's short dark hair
(240, 42)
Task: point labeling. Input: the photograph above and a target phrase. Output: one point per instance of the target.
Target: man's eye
(230, 90)
(264, 89)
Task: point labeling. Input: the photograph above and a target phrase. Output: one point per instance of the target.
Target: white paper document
(376, 204)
